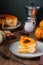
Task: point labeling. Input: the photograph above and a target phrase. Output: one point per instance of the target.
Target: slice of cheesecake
(27, 45)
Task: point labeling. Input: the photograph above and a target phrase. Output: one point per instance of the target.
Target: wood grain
(5, 48)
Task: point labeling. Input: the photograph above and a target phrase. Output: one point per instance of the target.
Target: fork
(9, 58)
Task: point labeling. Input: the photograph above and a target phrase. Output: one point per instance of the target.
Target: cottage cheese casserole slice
(8, 20)
(27, 45)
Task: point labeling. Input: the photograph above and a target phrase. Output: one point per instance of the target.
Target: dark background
(16, 7)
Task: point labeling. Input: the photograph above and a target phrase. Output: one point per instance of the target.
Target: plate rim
(22, 56)
(13, 27)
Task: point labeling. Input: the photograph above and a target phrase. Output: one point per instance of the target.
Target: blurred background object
(16, 7)
(39, 15)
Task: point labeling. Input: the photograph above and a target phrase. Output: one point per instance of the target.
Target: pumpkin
(39, 33)
(2, 36)
(41, 24)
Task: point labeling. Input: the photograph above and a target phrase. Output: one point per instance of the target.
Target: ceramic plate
(14, 27)
(14, 49)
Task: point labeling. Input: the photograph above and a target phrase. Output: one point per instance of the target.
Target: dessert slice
(11, 20)
(8, 20)
(27, 45)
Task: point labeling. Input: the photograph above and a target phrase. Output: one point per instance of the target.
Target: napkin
(41, 60)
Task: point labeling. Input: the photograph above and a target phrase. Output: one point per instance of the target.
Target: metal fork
(8, 58)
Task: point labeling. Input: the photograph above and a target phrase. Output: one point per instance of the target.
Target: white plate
(11, 28)
(14, 49)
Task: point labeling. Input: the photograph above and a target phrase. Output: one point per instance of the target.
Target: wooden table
(5, 48)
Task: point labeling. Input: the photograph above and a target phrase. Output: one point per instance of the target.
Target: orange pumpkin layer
(41, 24)
(39, 33)
(27, 45)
